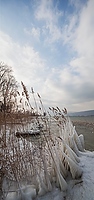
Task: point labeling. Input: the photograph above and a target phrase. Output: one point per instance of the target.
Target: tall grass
(42, 161)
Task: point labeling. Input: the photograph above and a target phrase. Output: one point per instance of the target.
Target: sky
(50, 46)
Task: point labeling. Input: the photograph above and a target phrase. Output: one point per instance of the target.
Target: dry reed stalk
(24, 160)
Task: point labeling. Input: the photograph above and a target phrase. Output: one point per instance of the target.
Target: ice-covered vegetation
(33, 167)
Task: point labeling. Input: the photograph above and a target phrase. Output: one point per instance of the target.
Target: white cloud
(69, 30)
(83, 44)
(76, 3)
(78, 78)
(32, 70)
(34, 32)
(85, 32)
(50, 15)
(25, 61)
(71, 86)
(46, 11)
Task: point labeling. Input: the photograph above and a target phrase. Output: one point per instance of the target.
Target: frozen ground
(82, 189)
(57, 164)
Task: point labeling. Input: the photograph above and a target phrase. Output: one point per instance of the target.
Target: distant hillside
(82, 113)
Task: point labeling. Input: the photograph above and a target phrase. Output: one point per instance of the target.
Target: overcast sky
(50, 46)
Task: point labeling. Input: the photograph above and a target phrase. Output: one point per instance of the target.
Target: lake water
(85, 126)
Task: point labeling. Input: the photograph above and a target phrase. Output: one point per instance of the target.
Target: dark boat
(31, 132)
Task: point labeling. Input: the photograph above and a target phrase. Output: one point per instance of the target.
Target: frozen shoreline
(82, 189)
(63, 168)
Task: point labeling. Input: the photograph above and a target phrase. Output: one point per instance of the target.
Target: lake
(85, 126)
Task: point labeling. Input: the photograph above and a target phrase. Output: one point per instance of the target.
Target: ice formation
(52, 162)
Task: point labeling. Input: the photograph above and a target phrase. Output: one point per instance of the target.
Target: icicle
(61, 165)
(61, 180)
(81, 137)
(73, 145)
(77, 140)
(70, 142)
(69, 154)
(49, 186)
(42, 187)
(70, 148)
(52, 174)
(76, 171)
(72, 154)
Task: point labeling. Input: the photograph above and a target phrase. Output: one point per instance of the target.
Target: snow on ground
(81, 189)
(84, 189)
(68, 147)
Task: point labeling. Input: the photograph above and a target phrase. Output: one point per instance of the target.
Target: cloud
(29, 67)
(76, 78)
(49, 13)
(34, 32)
(76, 3)
(25, 61)
(85, 31)
(68, 85)
(83, 42)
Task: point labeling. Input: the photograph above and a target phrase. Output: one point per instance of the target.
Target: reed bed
(42, 162)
